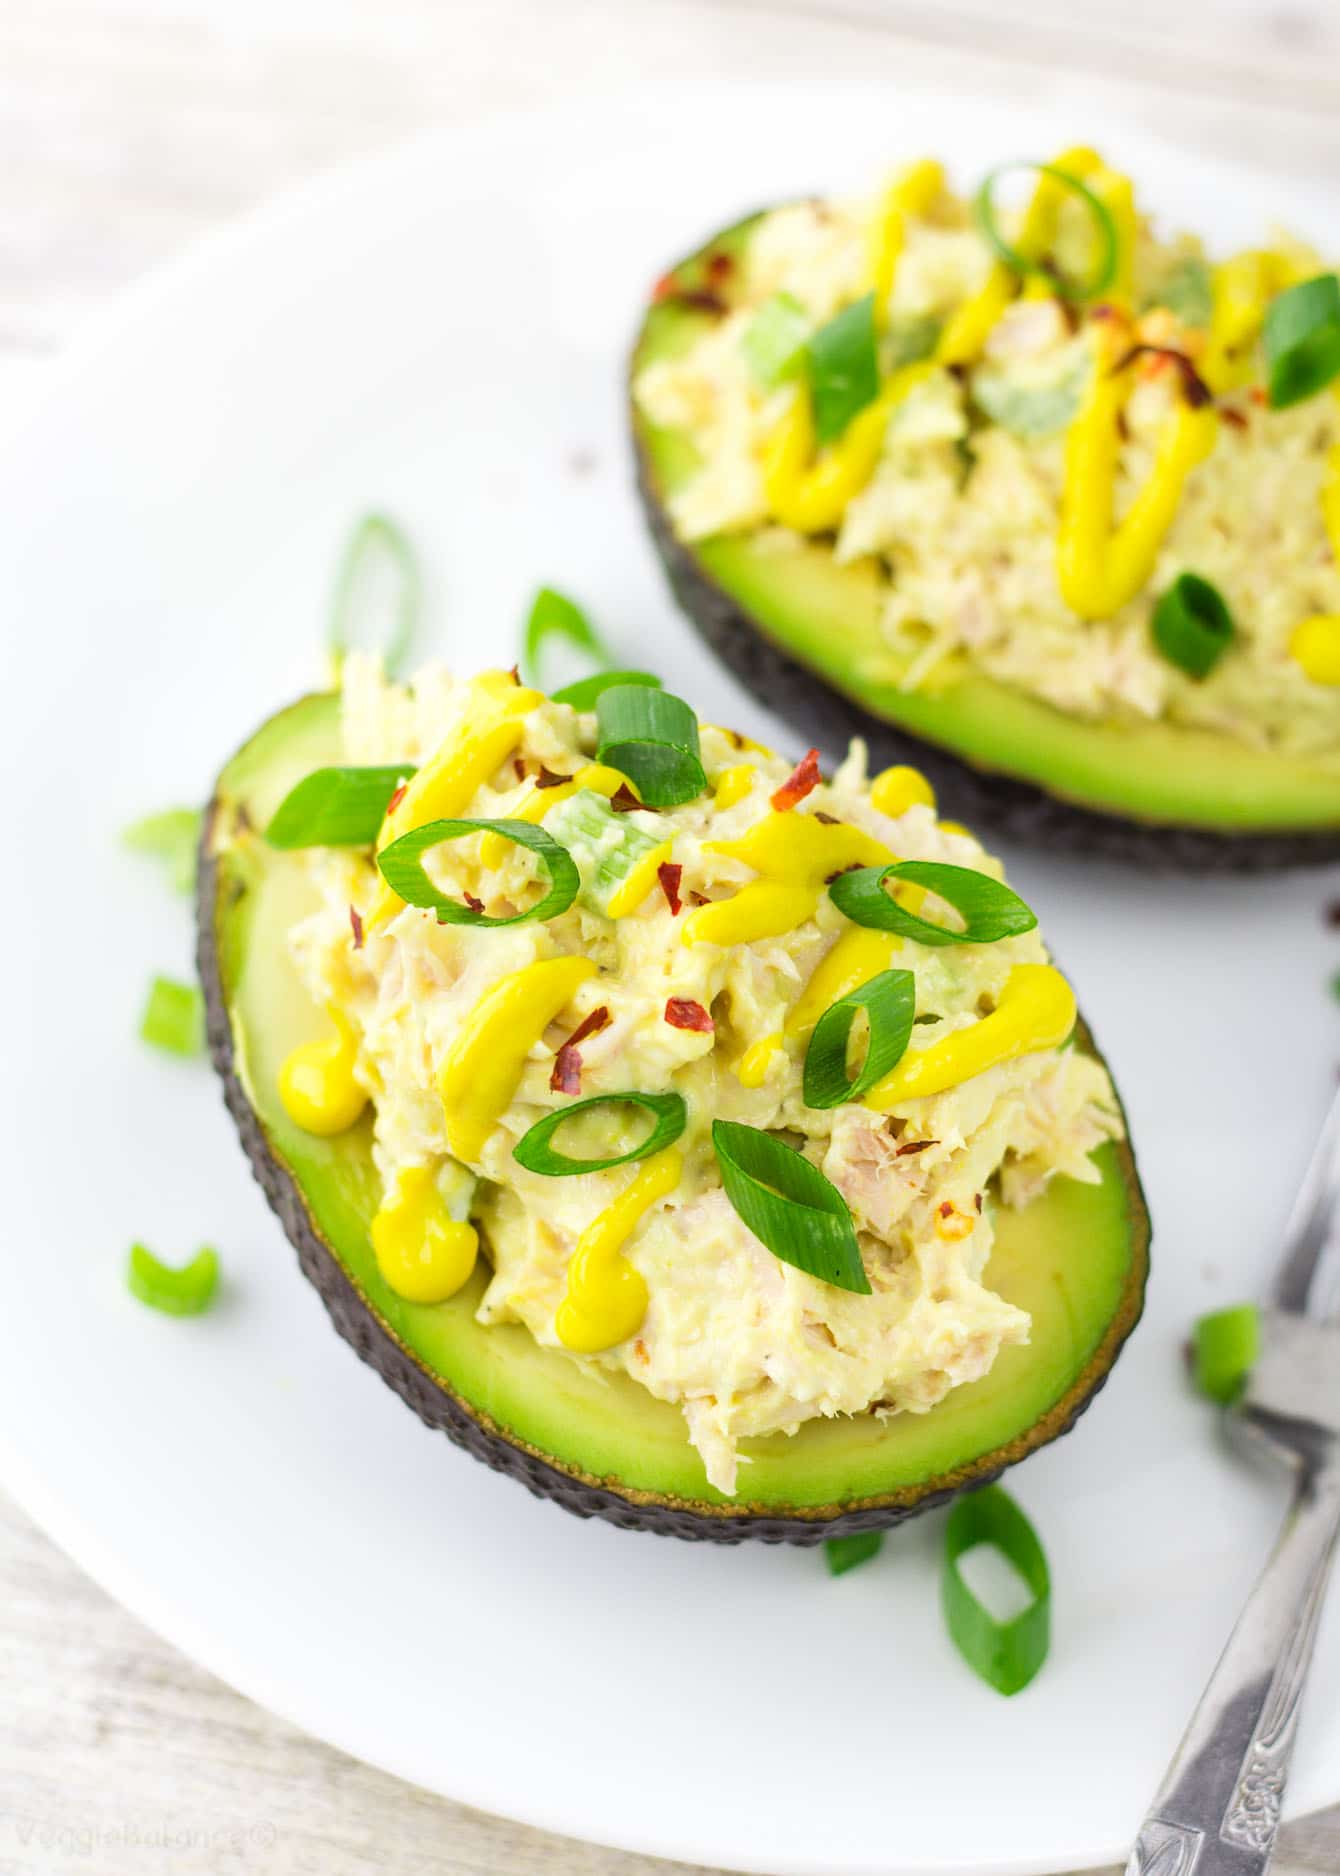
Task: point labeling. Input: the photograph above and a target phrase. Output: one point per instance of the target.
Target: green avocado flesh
(1076, 1259)
(827, 616)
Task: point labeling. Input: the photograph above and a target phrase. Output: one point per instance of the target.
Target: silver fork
(1218, 1807)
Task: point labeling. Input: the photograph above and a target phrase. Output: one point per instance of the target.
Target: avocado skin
(436, 1407)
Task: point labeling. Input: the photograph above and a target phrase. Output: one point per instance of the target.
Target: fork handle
(1218, 1808)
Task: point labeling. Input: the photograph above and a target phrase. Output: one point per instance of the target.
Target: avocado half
(1076, 1259)
(1164, 796)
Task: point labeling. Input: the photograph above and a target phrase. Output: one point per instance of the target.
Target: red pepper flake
(947, 1209)
(799, 782)
(1235, 418)
(826, 820)
(720, 267)
(519, 768)
(356, 926)
(591, 1025)
(515, 673)
(623, 800)
(475, 905)
(977, 1198)
(396, 798)
(566, 1077)
(1194, 388)
(1257, 394)
(665, 289)
(855, 867)
(700, 898)
(684, 1013)
(670, 873)
(914, 1146)
(547, 778)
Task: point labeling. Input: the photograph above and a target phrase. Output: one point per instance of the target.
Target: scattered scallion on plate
(988, 908)
(336, 807)
(187, 1290)
(377, 594)
(842, 362)
(789, 1205)
(1104, 229)
(1224, 1347)
(171, 836)
(651, 736)
(535, 1151)
(554, 615)
(845, 1553)
(890, 1004)
(1301, 335)
(401, 865)
(1192, 625)
(1005, 1653)
(174, 1017)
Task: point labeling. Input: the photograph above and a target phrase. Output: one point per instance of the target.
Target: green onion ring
(174, 1017)
(554, 615)
(336, 807)
(1105, 271)
(1301, 334)
(842, 360)
(789, 1205)
(188, 1291)
(401, 865)
(989, 909)
(1005, 1654)
(375, 548)
(1224, 1350)
(171, 836)
(584, 694)
(651, 736)
(890, 1001)
(1192, 625)
(534, 1152)
(845, 1553)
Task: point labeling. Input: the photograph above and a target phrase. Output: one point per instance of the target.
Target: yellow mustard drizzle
(895, 790)
(809, 492)
(751, 1071)
(1101, 565)
(422, 1251)
(1242, 287)
(606, 1297)
(480, 1072)
(859, 954)
(641, 879)
(733, 785)
(910, 194)
(1036, 1011)
(317, 1084)
(1315, 645)
(793, 854)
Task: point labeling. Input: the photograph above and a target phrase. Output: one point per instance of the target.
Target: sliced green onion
(174, 1017)
(843, 365)
(1302, 340)
(554, 615)
(1335, 986)
(605, 845)
(845, 1553)
(172, 837)
(1006, 1654)
(1105, 229)
(584, 694)
(1224, 1349)
(789, 1205)
(336, 807)
(188, 1291)
(1192, 625)
(890, 1002)
(377, 592)
(651, 736)
(401, 867)
(1187, 290)
(990, 911)
(774, 340)
(534, 1152)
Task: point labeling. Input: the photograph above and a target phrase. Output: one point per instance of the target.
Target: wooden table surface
(126, 128)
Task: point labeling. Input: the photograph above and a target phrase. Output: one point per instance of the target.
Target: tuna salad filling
(691, 970)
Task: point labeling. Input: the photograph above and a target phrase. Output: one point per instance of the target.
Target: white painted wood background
(126, 128)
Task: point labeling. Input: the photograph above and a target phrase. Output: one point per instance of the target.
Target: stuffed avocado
(1062, 527)
(623, 1151)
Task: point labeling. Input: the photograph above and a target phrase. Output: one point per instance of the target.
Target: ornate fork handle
(1218, 1808)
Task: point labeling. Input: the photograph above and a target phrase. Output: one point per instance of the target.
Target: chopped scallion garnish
(789, 1205)
(534, 1151)
(172, 837)
(1007, 1654)
(174, 1017)
(554, 615)
(990, 911)
(187, 1291)
(586, 692)
(1302, 340)
(1224, 1349)
(401, 867)
(336, 807)
(890, 1003)
(377, 592)
(1192, 625)
(774, 340)
(1105, 233)
(651, 736)
(845, 1553)
(843, 367)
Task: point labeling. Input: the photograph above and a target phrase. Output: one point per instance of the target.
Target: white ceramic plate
(443, 332)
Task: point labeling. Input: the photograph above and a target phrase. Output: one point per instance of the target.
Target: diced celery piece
(774, 340)
(605, 845)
